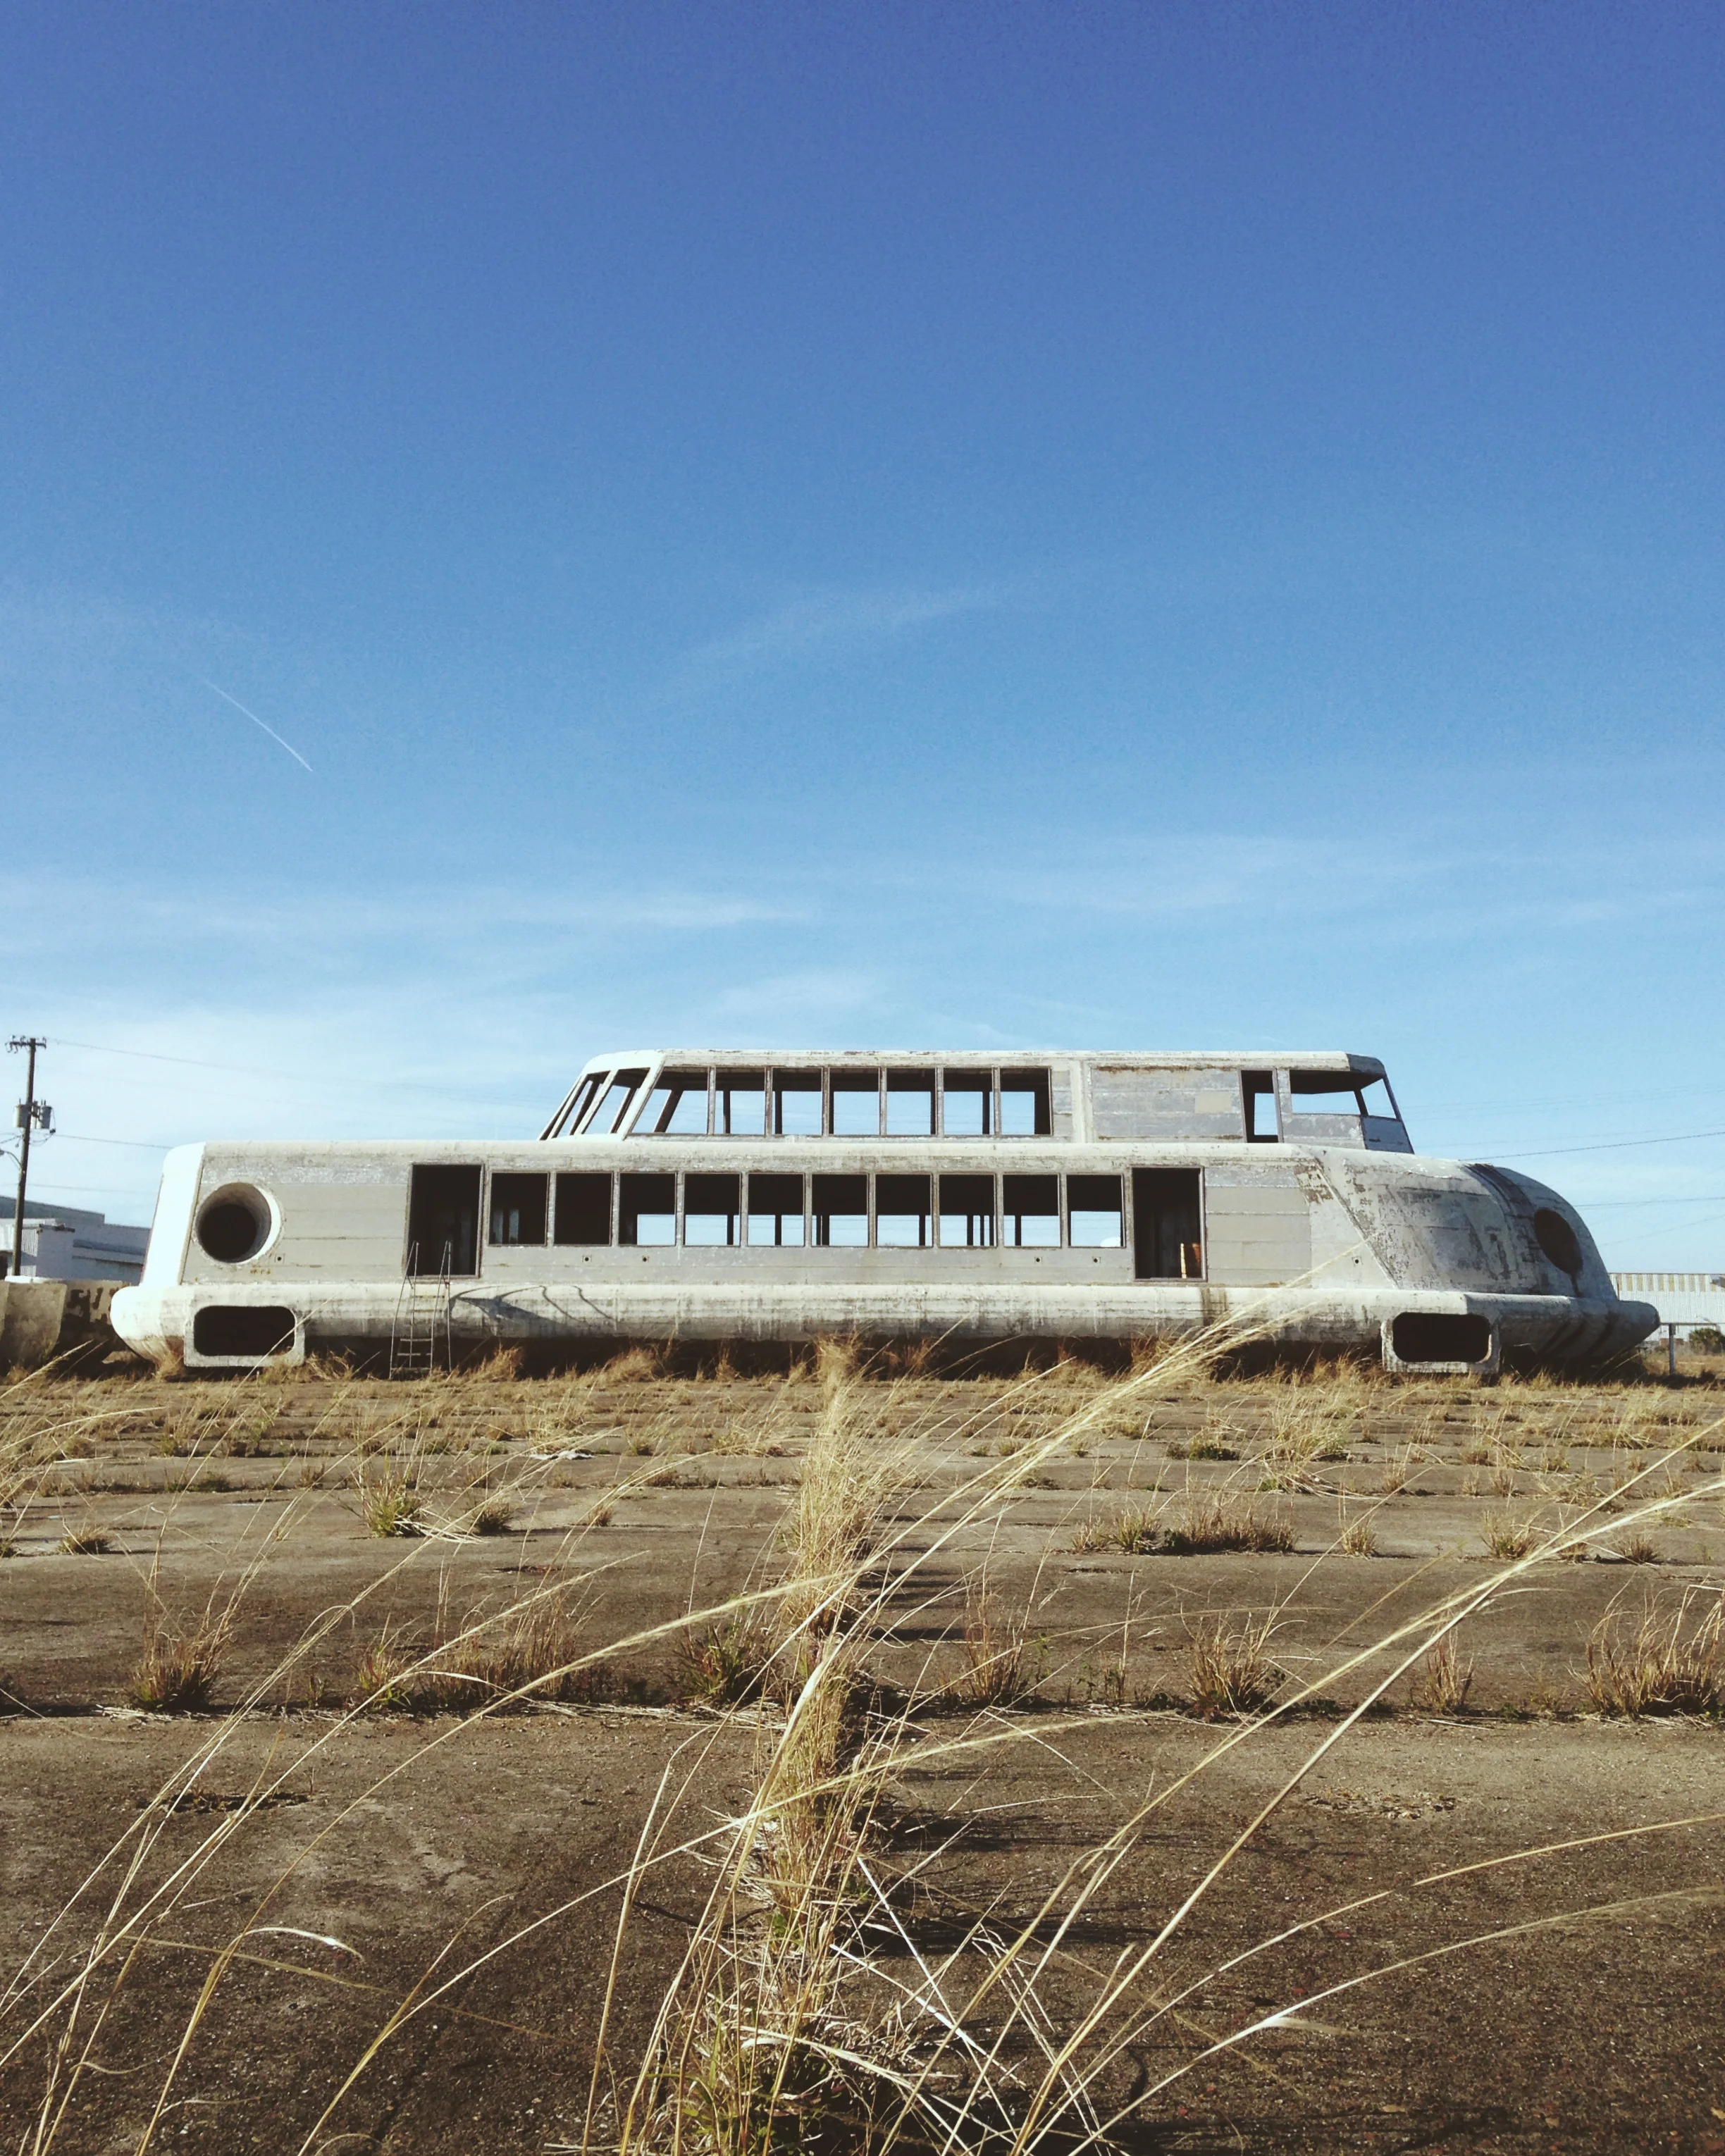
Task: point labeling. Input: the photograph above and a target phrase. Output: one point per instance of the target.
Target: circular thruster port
(234, 1225)
(1557, 1239)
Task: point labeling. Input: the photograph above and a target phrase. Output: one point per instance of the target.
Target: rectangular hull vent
(1431, 1337)
(254, 1330)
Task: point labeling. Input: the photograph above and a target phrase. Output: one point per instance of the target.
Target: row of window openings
(909, 1212)
(906, 1103)
(796, 1104)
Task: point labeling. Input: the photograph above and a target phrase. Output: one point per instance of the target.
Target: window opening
(968, 1212)
(518, 1209)
(841, 1211)
(443, 1221)
(647, 1211)
(967, 1104)
(594, 1086)
(676, 1107)
(613, 1110)
(580, 1100)
(1258, 1089)
(1167, 1223)
(740, 1104)
(902, 1221)
(584, 1213)
(856, 1104)
(1093, 1212)
(797, 1104)
(1024, 1105)
(776, 1211)
(1031, 1212)
(910, 1104)
(712, 1210)
(1324, 1093)
(1375, 1099)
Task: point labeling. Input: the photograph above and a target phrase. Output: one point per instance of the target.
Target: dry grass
(1508, 1535)
(1203, 1447)
(1358, 1536)
(1001, 1662)
(177, 1672)
(83, 1542)
(1660, 1664)
(725, 1663)
(1133, 1533)
(1210, 1520)
(389, 1500)
(851, 1471)
(1201, 1520)
(793, 2020)
(1444, 1680)
(529, 1652)
(1233, 1671)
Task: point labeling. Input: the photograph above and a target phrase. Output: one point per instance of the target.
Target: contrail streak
(257, 722)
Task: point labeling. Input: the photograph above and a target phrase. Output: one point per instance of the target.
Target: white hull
(1085, 1197)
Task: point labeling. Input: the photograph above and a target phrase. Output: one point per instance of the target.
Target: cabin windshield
(1339, 1093)
(615, 1102)
(676, 1107)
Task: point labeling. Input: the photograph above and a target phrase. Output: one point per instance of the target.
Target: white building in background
(1684, 1300)
(71, 1243)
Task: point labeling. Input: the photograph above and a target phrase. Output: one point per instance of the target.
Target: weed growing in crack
(1669, 1663)
(1444, 1679)
(1233, 1671)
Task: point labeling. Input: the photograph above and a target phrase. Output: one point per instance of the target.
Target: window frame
(647, 1175)
(569, 1175)
(835, 1075)
(816, 1214)
(946, 1175)
(1120, 1182)
(926, 1238)
(640, 1129)
(778, 1213)
(496, 1242)
(737, 1237)
(819, 1090)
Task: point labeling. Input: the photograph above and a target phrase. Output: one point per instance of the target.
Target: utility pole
(29, 1117)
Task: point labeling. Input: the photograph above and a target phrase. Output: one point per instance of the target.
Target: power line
(95, 1190)
(140, 1145)
(255, 1071)
(1599, 1205)
(1608, 1145)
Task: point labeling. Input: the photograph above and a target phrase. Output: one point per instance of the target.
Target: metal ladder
(420, 1333)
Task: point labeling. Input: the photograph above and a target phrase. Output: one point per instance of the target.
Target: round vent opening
(234, 1225)
(1557, 1239)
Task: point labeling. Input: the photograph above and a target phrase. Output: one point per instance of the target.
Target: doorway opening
(1258, 1090)
(1167, 1224)
(443, 1221)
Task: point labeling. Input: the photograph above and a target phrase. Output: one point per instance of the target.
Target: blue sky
(1092, 526)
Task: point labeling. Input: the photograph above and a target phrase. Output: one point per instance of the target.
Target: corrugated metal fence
(1682, 1299)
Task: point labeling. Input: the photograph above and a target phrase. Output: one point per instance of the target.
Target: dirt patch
(1493, 1927)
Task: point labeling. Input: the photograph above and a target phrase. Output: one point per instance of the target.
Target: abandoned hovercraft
(703, 1195)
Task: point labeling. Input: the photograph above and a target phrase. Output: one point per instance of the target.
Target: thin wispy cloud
(468, 923)
(257, 722)
(822, 627)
